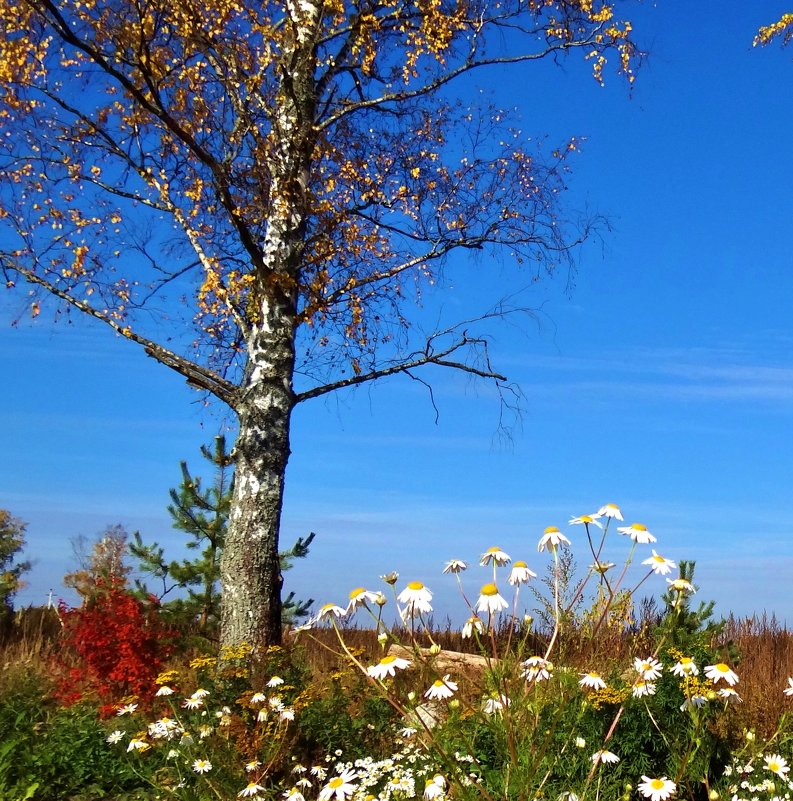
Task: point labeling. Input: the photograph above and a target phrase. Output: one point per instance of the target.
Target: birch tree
(256, 194)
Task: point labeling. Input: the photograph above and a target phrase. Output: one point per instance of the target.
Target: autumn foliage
(113, 647)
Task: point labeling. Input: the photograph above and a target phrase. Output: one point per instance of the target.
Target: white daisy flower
(649, 669)
(730, 694)
(490, 601)
(721, 671)
(441, 689)
(695, 701)
(254, 789)
(258, 698)
(601, 567)
(126, 709)
(292, 795)
(319, 771)
(328, 610)
(789, 689)
(681, 585)
(657, 789)
(114, 737)
(200, 693)
(637, 532)
(537, 668)
(520, 574)
(252, 766)
(202, 765)
(387, 666)
(642, 688)
(455, 566)
(592, 680)
(416, 598)
(164, 690)
(495, 703)
(495, 555)
(193, 702)
(275, 681)
(432, 790)
(360, 597)
(585, 520)
(164, 729)
(339, 787)
(776, 764)
(606, 757)
(685, 667)
(473, 624)
(659, 565)
(137, 744)
(552, 538)
(609, 510)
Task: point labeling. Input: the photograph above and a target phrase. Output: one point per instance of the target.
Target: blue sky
(663, 382)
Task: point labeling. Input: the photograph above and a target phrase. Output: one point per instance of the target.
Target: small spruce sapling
(202, 512)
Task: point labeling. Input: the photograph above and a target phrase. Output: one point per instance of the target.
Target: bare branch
(411, 363)
(196, 376)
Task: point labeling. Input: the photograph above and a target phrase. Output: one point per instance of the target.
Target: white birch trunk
(250, 569)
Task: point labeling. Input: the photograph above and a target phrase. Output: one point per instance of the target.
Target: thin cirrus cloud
(686, 375)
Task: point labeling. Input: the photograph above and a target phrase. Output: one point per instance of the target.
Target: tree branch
(427, 357)
(196, 376)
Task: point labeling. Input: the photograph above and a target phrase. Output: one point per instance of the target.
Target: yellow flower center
(657, 784)
(585, 519)
(659, 559)
(612, 506)
(489, 590)
(686, 660)
(774, 766)
(639, 527)
(495, 549)
(438, 683)
(387, 660)
(326, 607)
(722, 668)
(415, 585)
(520, 564)
(551, 530)
(337, 782)
(356, 592)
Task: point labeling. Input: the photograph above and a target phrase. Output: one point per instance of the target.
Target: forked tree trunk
(250, 569)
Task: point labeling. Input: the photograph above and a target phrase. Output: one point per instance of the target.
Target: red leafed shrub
(113, 646)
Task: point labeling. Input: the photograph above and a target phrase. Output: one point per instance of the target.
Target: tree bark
(250, 567)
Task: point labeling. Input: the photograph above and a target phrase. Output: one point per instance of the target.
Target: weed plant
(604, 696)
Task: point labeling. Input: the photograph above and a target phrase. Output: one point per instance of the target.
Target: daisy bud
(382, 638)
(411, 696)
(435, 649)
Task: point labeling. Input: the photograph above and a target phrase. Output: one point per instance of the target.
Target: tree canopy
(256, 193)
